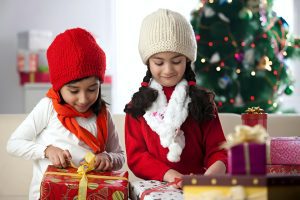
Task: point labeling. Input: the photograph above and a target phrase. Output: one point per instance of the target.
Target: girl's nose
(168, 68)
(83, 98)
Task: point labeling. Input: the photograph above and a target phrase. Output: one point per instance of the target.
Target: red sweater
(147, 159)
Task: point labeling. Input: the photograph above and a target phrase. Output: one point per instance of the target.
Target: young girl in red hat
(172, 126)
(73, 119)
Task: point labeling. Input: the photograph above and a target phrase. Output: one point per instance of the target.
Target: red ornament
(264, 35)
(220, 103)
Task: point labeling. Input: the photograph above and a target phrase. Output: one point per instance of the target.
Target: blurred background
(28, 27)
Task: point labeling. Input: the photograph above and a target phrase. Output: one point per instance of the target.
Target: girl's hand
(170, 176)
(102, 162)
(58, 157)
(216, 169)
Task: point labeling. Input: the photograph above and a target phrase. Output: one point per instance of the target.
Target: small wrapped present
(82, 183)
(247, 150)
(284, 151)
(254, 116)
(27, 61)
(154, 190)
(283, 169)
(241, 187)
(34, 77)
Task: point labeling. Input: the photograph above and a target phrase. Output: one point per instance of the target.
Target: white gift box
(159, 191)
(34, 40)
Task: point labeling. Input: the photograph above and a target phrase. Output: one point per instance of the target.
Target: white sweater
(42, 128)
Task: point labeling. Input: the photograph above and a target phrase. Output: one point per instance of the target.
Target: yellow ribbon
(244, 133)
(86, 166)
(88, 176)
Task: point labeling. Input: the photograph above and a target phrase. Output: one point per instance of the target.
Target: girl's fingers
(67, 154)
(56, 162)
(101, 165)
(63, 160)
(68, 157)
(97, 162)
(108, 165)
(104, 165)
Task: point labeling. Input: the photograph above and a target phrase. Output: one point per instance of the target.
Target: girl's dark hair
(99, 103)
(201, 107)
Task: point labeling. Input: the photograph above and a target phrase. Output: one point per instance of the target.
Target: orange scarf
(66, 114)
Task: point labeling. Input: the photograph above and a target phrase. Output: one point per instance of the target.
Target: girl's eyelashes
(173, 62)
(176, 62)
(73, 91)
(89, 90)
(159, 64)
(92, 90)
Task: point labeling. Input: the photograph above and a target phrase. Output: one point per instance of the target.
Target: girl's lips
(168, 77)
(82, 107)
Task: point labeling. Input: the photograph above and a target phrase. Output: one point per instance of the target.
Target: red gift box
(247, 158)
(64, 184)
(283, 169)
(284, 150)
(254, 119)
(34, 77)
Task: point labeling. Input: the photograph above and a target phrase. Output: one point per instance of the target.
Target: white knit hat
(166, 30)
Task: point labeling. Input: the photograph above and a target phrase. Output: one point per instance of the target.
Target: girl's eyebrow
(74, 86)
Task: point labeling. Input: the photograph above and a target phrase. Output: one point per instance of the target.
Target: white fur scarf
(166, 118)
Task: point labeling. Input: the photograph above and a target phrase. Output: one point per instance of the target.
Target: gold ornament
(264, 64)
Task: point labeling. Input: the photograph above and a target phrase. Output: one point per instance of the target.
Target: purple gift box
(247, 158)
(284, 150)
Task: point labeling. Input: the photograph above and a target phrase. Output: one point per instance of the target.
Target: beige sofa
(16, 173)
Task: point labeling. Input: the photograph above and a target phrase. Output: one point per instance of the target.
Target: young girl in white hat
(172, 126)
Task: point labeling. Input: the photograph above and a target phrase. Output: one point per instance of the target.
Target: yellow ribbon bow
(255, 110)
(244, 133)
(86, 166)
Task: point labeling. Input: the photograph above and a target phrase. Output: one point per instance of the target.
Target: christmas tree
(242, 50)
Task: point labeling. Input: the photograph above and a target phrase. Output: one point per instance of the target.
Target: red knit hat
(74, 54)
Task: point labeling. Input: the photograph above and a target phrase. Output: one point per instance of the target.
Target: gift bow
(255, 110)
(86, 166)
(244, 133)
